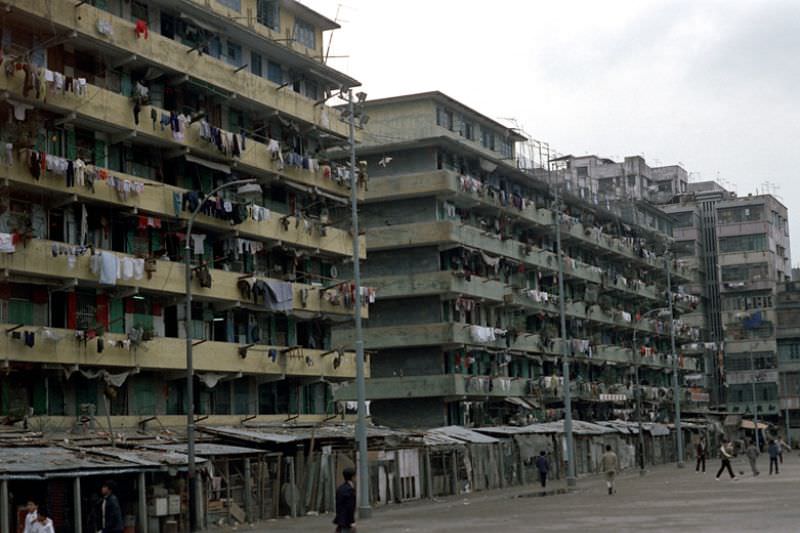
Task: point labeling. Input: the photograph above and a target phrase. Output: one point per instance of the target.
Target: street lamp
(571, 478)
(364, 509)
(194, 492)
(675, 384)
(638, 360)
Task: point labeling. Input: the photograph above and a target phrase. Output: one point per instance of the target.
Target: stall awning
(749, 424)
(732, 420)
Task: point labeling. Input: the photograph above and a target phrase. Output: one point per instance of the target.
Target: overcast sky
(712, 85)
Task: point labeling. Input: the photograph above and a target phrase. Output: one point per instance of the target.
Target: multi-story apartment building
(600, 179)
(461, 251)
(788, 312)
(117, 119)
(742, 244)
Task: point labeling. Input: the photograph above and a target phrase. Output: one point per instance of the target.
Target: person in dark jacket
(774, 450)
(543, 467)
(345, 520)
(110, 511)
(702, 454)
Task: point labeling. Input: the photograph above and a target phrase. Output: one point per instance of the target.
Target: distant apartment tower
(743, 248)
(461, 247)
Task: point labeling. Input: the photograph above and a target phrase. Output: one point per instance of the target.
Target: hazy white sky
(710, 84)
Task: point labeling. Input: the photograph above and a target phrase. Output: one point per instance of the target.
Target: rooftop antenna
(330, 39)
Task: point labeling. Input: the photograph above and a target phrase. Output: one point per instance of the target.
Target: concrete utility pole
(676, 390)
(364, 509)
(755, 400)
(638, 392)
(571, 479)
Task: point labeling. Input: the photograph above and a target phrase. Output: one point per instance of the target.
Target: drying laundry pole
(193, 481)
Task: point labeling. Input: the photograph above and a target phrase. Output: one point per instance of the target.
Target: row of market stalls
(251, 473)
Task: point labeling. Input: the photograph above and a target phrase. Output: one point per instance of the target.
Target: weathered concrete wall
(425, 361)
(404, 311)
(407, 211)
(409, 261)
(411, 413)
(403, 162)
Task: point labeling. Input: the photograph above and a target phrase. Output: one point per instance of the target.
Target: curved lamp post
(194, 504)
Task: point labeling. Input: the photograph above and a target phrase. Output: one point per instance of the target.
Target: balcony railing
(62, 347)
(36, 258)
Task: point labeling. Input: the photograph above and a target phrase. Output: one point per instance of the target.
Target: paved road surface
(667, 499)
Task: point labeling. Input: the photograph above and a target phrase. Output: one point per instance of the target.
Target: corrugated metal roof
(286, 435)
(251, 435)
(463, 434)
(208, 449)
(41, 459)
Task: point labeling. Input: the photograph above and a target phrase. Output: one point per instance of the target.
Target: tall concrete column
(4, 516)
(141, 486)
(248, 491)
(428, 474)
(77, 509)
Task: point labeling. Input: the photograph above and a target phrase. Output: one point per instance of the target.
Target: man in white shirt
(43, 523)
(726, 454)
(30, 518)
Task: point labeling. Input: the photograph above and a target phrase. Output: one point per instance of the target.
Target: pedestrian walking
(725, 454)
(752, 454)
(43, 522)
(110, 511)
(30, 518)
(774, 450)
(702, 453)
(783, 446)
(543, 467)
(345, 520)
(610, 465)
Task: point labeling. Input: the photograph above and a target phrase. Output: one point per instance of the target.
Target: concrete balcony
(444, 283)
(786, 332)
(740, 258)
(768, 344)
(746, 286)
(156, 200)
(451, 335)
(36, 260)
(447, 232)
(448, 284)
(445, 184)
(447, 386)
(169, 354)
(172, 57)
(112, 112)
(443, 334)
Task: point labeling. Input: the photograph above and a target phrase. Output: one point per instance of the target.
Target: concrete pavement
(666, 499)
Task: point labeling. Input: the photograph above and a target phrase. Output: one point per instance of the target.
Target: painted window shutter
(100, 158)
(20, 312)
(39, 398)
(117, 314)
(206, 179)
(144, 396)
(114, 158)
(292, 334)
(72, 150)
(126, 84)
